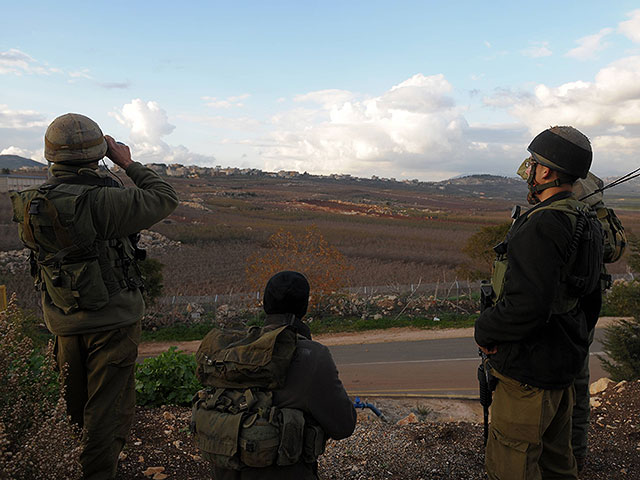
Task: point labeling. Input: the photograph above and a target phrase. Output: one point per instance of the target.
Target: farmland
(390, 233)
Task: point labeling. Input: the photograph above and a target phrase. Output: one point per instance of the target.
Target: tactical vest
(77, 270)
(234, 421)
(584, 267)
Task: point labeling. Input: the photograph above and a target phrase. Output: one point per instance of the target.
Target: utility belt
(236, 429)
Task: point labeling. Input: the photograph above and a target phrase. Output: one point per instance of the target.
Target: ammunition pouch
(76, 269)
(236, 429)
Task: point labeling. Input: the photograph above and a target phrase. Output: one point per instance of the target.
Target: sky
(426, 90)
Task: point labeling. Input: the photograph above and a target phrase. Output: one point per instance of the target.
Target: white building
(10, 183)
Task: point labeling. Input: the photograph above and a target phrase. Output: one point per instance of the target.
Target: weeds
(37, 441)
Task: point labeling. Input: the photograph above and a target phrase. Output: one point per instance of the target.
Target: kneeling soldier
(273, 395)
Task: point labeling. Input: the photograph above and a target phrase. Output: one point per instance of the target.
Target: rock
(122, 456)
(141, 459)
(168, 416)
(377, 316)
(411, 418)
(595, 402)
(599, 386)
(152, 471)
(177, 443)
(620, 386)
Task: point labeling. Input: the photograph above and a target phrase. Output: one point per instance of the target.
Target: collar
(281, 319)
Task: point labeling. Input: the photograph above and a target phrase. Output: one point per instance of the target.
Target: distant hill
(13, 162)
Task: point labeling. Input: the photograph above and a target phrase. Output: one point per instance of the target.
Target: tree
(309, 253)
(622, 347)
(152, 273)
(479, 247)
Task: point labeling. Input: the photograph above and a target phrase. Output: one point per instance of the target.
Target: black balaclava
(287, 292)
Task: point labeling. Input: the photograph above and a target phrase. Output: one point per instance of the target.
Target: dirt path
(150, 349)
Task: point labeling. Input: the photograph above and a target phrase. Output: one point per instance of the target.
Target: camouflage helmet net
(74, 139)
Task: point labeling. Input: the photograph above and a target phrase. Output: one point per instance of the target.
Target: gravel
(384, 450)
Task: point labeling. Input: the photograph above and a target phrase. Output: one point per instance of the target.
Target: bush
(310, 254)
(151, 270)
(168, 379)
(622, 346)
(623, 299)
(479, 248)
(36, 438)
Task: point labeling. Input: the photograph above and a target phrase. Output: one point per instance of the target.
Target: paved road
(445, 367)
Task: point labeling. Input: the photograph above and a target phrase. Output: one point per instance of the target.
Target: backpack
(585, 255)
(77, 270)
(615, 240)
(234, 421)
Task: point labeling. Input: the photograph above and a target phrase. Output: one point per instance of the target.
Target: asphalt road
(443, 367)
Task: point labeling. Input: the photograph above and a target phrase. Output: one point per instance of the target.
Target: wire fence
(455, 289)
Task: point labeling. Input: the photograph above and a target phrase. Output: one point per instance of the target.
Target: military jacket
(313, 386)
(537, 344)
(112, 213)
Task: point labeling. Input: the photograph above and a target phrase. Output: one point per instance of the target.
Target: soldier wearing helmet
(80, 227)
(535, 332)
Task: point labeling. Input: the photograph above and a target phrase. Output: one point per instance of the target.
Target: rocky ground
(416, 447)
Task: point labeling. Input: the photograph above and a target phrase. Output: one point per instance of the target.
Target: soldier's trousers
(530, 432)
(100, 393)
(581, 410)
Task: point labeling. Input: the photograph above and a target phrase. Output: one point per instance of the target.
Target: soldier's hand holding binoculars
(118, 153)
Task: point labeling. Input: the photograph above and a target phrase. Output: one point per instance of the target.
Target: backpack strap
(83, 180)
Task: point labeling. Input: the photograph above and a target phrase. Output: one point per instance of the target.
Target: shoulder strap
(83, 180)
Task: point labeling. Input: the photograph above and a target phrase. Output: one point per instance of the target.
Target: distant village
(194, 171)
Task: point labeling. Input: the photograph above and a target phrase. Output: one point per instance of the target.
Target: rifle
(486, 381)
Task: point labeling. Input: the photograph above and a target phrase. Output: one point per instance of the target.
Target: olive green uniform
(99, 346)
(541, 335)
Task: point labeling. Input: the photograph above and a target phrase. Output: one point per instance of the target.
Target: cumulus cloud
(20, 119)
(229, 102)
(607, 109)
(412, 130)
(537, 50)
(148, 124)
(589, 46)
(631, 28)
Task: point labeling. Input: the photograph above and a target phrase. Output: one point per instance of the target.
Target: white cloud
(325, 97)
(589, 46)
(12, 150)
(229, 102)
(413, 129)
(20, 119)
(537, 50)
(631, 28)
(148, 123)
(16, 62)
(607, 109)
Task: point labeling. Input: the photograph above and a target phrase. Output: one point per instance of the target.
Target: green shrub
(622, 346)
(168, 379)
(623, 299)
(151, 270)
(36, 439)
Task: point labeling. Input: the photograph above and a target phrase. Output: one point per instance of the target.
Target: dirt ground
(430, 448)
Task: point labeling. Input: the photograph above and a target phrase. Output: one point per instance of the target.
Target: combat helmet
(564, 149)
(74, 139)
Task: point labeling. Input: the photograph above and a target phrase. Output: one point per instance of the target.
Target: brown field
(391, 234)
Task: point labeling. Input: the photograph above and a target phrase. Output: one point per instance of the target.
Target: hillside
(13, 162)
